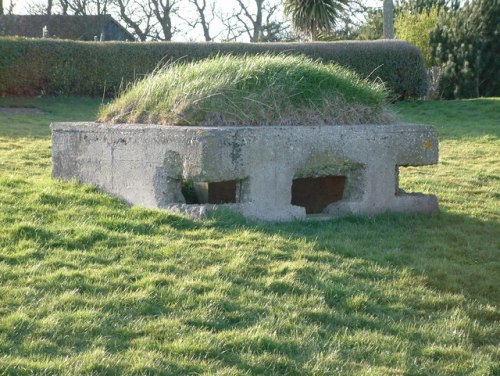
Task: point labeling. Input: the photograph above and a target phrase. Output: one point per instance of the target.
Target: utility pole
(388, 19)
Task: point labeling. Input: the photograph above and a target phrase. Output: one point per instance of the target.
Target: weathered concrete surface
(145, 164)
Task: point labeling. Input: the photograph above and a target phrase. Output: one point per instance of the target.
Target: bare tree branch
(64, 6)
(255, 18)
(10, 8)
(34, 8)
(142, 26)
(78, 7)
(204, 17)
(253, 25)
(163, 11)
(231, 28)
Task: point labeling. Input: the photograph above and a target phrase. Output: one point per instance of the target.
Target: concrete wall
(145, 164)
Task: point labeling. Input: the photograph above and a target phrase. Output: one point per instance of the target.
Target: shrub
(415, 28)
(467, 47)
(39, 66)
(251, 90)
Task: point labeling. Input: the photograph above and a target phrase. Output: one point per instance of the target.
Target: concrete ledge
(146, 164)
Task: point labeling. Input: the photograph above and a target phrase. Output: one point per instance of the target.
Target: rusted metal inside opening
(223, 192)
(315, 194)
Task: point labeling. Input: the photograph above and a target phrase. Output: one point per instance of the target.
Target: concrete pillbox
(274, 173)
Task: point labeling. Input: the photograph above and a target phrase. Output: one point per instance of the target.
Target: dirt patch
(21, 110)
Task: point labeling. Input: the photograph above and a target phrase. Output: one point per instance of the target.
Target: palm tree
(312, 16)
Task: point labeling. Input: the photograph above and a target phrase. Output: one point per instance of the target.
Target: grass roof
(251, 90)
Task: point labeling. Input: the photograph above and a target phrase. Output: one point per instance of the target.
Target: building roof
(59, 26)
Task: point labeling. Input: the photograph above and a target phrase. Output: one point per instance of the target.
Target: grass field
(91, 286)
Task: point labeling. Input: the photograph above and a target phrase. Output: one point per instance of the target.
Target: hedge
(56, 67)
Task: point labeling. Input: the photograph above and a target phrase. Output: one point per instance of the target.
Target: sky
(22, 6)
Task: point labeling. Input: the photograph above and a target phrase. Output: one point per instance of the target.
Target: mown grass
(251, 90)
(91, 286)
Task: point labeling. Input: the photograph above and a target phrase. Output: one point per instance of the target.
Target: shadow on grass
(361, 269)
(454, 253)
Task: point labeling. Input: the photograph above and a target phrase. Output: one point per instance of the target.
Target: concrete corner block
(415, 203)
(278, 214)
(272, 173)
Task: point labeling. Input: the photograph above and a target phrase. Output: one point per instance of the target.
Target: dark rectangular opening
(315, 194)
(223, 192)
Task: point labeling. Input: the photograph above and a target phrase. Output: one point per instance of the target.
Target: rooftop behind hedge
(251, 90)
(54, 67)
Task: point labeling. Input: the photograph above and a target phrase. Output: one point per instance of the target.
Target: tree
(420, 6)
(10, 7)
(252, 22)
(34, 8)
(466, 45)
(163, 11)
(203, 19)
(349, 22)
(388, 19)
(313, 16)
(373, 26)
(149, 18)
(416, 28)
(138, 16)
(64, 7)
(254, 18)
(81, 7)
(77, 7)
(277, 31)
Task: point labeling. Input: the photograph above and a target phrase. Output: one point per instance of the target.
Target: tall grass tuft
(251, 90)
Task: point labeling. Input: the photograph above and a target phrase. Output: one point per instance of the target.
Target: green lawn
(90, 286)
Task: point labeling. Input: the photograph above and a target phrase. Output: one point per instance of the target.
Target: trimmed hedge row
(54, 67)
